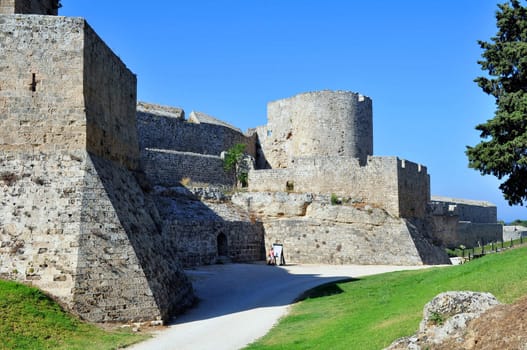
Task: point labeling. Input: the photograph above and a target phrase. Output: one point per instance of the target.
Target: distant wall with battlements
(174, 148)
(469, 210)
(465, 222)
(398, 186)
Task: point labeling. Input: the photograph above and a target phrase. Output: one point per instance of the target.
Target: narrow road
(239, 303)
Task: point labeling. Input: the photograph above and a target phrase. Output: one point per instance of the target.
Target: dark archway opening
(223, 245)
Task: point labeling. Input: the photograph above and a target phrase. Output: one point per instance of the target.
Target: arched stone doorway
(223, 245)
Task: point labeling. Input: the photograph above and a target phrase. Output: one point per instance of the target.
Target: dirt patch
(501, 327)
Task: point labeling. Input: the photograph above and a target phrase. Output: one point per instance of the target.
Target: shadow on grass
(325, 290)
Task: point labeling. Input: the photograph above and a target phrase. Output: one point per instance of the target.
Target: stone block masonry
(458, 222)
(74, 219)
(315, 231)
(173, 148)
(203, 232)
(36, 7)
(317, 124)
(398, 186)
(169, 168)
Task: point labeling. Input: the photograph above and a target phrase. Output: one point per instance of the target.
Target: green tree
(231, 163)
(503, 151)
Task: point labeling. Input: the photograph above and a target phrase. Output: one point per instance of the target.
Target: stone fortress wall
(465, 222)
(204, 227)
(173, 148)
(514, 232)
(39, 7)
(75, 220)
(398, 186)
(322, 142)
(92, 206)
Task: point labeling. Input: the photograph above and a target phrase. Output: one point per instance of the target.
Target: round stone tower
(318, 124)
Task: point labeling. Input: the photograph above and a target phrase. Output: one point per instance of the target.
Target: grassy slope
(372, 312)
(31, 320)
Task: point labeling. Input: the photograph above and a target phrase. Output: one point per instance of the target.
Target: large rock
(446, 317)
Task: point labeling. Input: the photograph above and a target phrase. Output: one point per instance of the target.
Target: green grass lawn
(372, 312)
(31, 320)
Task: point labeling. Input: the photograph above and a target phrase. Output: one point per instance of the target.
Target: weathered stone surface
(36, 7)
(173, 149)
(514, 232)
(317, 124)
(274, 204)
(400, 187)
(458, 222)
(75, 221)
(203, 231)
(91, 204)
(446, 317)
(313, 230)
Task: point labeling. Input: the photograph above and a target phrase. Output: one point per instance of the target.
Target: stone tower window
(33, 85)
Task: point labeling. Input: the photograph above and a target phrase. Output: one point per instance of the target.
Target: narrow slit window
(33, 82)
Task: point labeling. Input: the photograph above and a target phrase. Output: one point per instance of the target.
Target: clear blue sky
(416, 59)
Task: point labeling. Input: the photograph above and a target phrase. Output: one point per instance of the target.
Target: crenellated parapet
(400, 187)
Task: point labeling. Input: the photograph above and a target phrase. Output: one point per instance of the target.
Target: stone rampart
(204, 231)
(473, 234)
(173, 148)
(317, 124)
(75, 221)
(170, 131)
(36, 7)
(169, 168)
(110, 99)
(313, 230)
(42, 98)
(470, 210)
(450, 227)
(413, 189)
(398, 186)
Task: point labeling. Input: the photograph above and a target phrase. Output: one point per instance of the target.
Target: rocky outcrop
(313, 230)
(445, 320)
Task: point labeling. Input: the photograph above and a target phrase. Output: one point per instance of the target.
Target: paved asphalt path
(239, 303)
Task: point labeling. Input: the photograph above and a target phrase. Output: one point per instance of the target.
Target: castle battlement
(382, 181)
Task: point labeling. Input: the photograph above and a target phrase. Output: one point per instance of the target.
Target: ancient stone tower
(318, 124)
(36, 7)
(74, 219)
